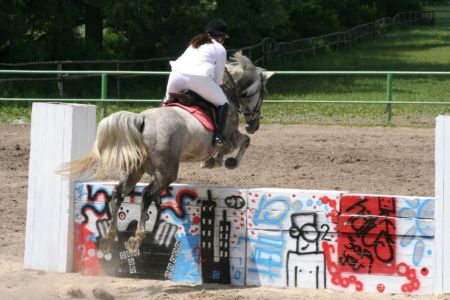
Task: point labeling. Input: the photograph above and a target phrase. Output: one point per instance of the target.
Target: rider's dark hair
(200, 39)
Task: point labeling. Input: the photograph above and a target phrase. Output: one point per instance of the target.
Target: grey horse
(156, 140)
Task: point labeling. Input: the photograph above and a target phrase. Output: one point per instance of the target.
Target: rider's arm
(221, 58)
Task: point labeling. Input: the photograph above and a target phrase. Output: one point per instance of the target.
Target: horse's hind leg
(125, 186)
(242, 141)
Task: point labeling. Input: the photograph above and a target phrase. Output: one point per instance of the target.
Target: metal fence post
(60, 81)
(389, 98)
(118, 81)
(104, 95)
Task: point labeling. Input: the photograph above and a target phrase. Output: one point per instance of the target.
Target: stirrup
(221, 142)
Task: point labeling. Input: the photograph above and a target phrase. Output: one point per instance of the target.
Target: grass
(408, 49)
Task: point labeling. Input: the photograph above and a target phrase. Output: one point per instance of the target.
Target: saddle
(195, 104)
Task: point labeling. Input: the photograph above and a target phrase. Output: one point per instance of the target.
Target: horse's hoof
(133, 244)
(231, 163)
(105, 245)
(207, 164)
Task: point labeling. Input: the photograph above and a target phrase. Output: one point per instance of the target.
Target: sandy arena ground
(396, 161)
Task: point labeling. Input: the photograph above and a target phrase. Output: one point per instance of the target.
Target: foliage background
(40, 30)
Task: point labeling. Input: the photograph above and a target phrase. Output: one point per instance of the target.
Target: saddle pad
(197, 112)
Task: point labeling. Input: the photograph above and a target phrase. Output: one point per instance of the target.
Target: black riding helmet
(217, 27)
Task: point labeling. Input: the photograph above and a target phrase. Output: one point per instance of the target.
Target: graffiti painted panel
(367, 234)
(364, 239)
(286, 229)
(281, 237)
(388, 240)
(198, 234)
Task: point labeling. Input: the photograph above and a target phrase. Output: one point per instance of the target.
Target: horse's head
(251, 88)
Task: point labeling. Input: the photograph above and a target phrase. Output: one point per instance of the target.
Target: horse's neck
(230, 89)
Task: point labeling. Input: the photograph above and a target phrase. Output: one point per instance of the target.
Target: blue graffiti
(418, 233)
(216, 275)
(91, 237)
(187, 265)
(267, 250)
(274, 217)
(297, 205)
(236, 274)
(267, 255)
(80, 191)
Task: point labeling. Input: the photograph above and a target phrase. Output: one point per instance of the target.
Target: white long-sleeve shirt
(208, 60)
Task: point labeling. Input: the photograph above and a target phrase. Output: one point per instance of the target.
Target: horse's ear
(268, 74)
(237, 53)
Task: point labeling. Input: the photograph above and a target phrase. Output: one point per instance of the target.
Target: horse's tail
(119, 146)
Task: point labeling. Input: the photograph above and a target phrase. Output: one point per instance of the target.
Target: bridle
(252, 116)
(240, 103)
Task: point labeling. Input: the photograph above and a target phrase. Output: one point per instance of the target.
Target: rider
(200, 69)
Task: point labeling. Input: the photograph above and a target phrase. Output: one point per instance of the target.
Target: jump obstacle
(231, 235)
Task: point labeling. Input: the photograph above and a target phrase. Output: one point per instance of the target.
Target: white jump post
(59, 133)
(442, 214)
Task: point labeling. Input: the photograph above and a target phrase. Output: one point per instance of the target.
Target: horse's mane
(244, 73)
(241, 68)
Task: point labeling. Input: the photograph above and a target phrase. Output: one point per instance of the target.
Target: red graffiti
(367, 235)
(367, 243)
(198, 251)
(334, 213)
(177, 205)
(336, 271)
(411, 274)
(84, 247)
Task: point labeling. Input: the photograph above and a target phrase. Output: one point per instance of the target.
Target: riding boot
(221, 118)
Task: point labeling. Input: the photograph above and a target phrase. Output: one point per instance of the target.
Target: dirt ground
(394, 161)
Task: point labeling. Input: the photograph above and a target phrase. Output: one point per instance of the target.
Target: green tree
(155, 28)
(32, 30)
(394, 7)
(13, 29)
(39, 30)
(93, 20)
(353, 12)
(312, 17)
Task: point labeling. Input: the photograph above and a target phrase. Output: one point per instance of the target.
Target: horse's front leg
(215, 161)
(242, 141)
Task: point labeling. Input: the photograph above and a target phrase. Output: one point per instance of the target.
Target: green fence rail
(104, 83)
